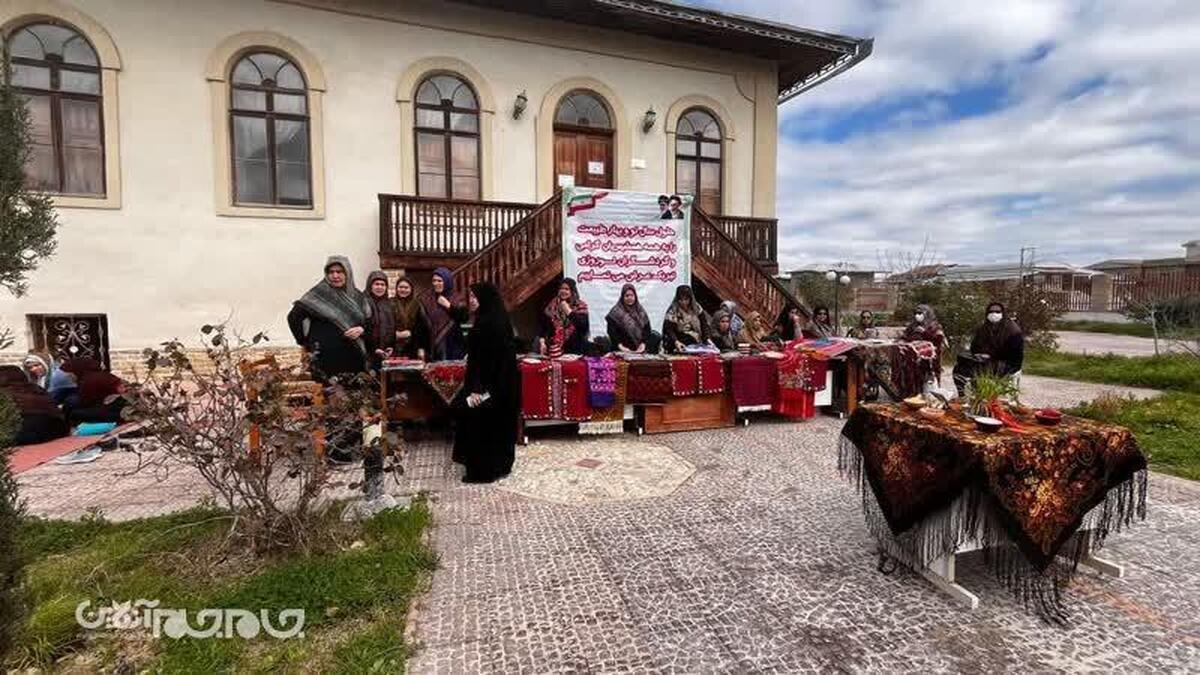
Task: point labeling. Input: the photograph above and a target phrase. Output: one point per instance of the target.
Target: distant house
(1188, 264)
(1134, 281)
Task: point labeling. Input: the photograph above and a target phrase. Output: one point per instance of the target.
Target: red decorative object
(446, 378)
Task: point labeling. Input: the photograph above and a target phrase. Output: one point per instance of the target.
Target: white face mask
(994, 317)
(919, 317)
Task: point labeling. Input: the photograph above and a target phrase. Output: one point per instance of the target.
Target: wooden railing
(759, 237)
(422, 225)
(523, 258)
(734, 273)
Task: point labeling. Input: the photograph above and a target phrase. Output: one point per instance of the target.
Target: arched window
(447, 132)
(269, 127)
(583, 109)
(698, 158)
(57, 71)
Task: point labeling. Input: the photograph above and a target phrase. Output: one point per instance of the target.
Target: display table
(689, 413)
(1039, 501)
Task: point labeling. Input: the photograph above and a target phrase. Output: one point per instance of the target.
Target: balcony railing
(423, 226)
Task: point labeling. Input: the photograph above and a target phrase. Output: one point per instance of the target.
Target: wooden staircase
(528, 256)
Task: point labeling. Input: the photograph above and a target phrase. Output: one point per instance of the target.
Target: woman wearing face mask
(821, 326)
(564, 322)
(443, 315)
(925, 328)
(998, 346)
(330, 322)
(410, 324)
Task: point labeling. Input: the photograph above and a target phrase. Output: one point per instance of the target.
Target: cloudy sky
(1072, 126)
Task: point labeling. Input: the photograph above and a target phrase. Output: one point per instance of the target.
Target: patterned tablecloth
(930, 486)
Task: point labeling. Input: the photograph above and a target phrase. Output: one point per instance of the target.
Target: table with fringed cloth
(1039, 501)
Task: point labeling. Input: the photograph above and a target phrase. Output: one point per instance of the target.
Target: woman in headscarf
(98, 392)
(821, 326)
(443, 314)
(757, 333)
(43, 372)
(41, 420)
(790, 323)
(411, 333)
(925, 327)
(998, 346)
(382, 322)
(735, 322)
(722, 334)
(564, 322)
(685, 323)
(330, 322)
(629, 326)
(866, 328)
(488, 407)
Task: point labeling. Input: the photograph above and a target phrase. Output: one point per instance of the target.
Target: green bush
(11, 557)
(960, 308)
(1172, 313)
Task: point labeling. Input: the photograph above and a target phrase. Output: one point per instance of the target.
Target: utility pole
(1032, 252)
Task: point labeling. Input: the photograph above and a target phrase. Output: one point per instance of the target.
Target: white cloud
(1053, 168)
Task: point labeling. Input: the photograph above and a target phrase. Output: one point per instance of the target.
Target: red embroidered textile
(649, 382)
(800, 375)
(572, 404)
(535, 390)
(755, 381)
(711, 375)
(685, 377)
(446, 378)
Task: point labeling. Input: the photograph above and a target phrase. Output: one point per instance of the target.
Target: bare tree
(902, 265)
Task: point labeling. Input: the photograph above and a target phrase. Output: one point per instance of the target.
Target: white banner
(612, 238)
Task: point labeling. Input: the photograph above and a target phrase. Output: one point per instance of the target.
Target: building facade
(207, 157)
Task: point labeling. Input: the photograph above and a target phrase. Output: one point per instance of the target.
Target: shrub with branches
(256, 432)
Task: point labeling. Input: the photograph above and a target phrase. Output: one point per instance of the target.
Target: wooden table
(419, 402)
(689, 413)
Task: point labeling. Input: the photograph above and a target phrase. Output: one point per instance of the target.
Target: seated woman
(41, 420)
(489, 406)
(564, 328)
(866, 329)
(997, 347)
(722, 334)
(330, 322)
(99, 393)
(381, 325)
(821, 326)
(685, 323)
(736, 324)
(629, 326)
(789, 325)
(47, 375)
(411, 335)
(925, 327)
(443, 314)
(758, 334)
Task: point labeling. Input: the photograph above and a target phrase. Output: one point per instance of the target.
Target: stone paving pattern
(759, 562)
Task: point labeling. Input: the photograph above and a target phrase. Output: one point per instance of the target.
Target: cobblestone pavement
(759, 562)
(1102, 343)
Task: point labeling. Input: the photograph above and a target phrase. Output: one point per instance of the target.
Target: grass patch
(1176, 372)
(355, 598)
(1167, 428)
(1136, 329)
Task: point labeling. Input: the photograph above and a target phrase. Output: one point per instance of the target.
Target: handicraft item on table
(610, 419)
(446, 378)
(1038, 500)
(755, 382)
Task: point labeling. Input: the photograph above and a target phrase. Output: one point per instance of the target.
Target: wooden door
(585, 155)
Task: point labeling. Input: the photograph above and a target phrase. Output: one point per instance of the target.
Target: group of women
(51, 397)
(346, 331)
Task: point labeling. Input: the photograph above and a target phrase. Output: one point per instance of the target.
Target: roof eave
(862, 50)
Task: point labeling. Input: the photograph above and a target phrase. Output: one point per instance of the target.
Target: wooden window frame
(446, 107)
(56, 96)
(699, 158)
(270, 115)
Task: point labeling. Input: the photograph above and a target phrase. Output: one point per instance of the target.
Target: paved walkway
(1103, 343)
(743, 551)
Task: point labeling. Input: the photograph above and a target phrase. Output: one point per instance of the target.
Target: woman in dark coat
(489, 405)
(629, 326)
(411, 335)
(330, 322)
(821, 326)
(998, 347)
(564, 323)
(443, 314)
(722, 334)
(382, 323)
(685, 323)
(789, 325)
(41, 420)
(98, 392)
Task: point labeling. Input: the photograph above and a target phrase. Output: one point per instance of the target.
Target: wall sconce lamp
(648, 120)
(519, 105)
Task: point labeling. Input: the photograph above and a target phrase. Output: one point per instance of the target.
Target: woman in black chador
(489, 404)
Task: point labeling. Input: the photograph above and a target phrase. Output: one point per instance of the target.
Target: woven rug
(610, 420)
